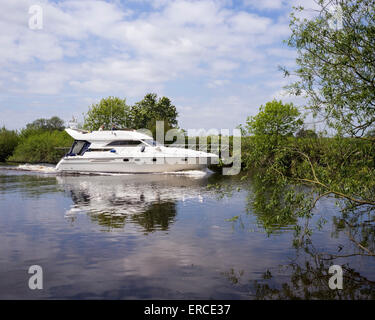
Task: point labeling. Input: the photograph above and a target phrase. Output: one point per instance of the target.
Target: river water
(164, 236)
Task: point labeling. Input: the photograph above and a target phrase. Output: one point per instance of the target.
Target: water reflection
(151, 202)
(170, 238)
(346, 237)
(306, 277)
(31, 184)
(146, 200)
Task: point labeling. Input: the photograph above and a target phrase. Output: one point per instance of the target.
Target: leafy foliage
(336, 69)
(143, 115)
(8, 142)
(274, 123)
(275, 119)
(109, 111)
(146, 112)
(281, 166)
(336, 73)
(42, 147)
(54, 123)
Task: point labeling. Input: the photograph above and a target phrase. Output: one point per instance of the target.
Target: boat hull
(131, 166)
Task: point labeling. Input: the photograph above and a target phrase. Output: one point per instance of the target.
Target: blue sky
(217, 60)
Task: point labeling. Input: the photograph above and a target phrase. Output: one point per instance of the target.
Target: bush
(306, 133)
(8, 142)
(42, 147)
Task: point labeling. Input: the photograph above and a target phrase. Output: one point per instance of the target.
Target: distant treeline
(45, 141)
(42, 141)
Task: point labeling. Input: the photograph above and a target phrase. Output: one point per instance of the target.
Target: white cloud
(98, 48)
(45, 82)
(217, 83)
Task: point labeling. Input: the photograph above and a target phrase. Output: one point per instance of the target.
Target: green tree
(8, 142)
(146, 112)
(336, 73)
(336, 69)
(109, 111)
(270, 129)
(54, 123)
(275, 119)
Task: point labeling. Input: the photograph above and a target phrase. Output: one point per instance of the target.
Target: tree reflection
(306, 275)
(159, 216)
(275, 208)
(269, 204)
(112, 202)
(309, 279)
(108, 221)
(358, 224)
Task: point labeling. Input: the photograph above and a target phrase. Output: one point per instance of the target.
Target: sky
(217, 60)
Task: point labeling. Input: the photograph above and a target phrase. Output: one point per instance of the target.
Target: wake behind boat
(127, 151)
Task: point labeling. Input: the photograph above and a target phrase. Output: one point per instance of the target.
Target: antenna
(73, 123)
(111, 117)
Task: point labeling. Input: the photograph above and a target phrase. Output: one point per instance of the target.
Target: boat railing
(202, 147)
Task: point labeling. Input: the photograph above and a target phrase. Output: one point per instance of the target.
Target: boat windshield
(151, 142)
(79, 148)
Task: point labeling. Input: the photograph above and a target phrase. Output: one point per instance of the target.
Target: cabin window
(124, 143)
(151, 142)
(79, 148)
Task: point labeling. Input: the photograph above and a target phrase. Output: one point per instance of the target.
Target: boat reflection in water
(147, 200)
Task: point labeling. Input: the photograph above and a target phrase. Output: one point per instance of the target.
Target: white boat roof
(106, 135)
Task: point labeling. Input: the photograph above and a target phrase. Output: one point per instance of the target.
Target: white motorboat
(127, 151)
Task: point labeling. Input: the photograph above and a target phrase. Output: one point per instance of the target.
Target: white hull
(119, 166)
